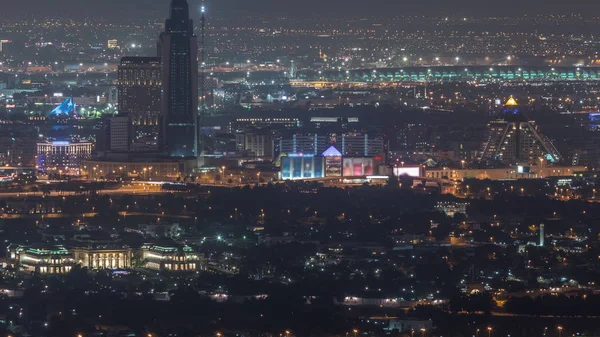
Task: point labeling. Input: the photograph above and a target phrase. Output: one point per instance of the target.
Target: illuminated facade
(112, 44)
(142, 170)
(361, 145)
(103, 257)
(333, 162)
(139, 89)
(512, 138)
(168, 258)
(310, 144)
(65, 109)
(43, 259)
(502, 173)
(238, 125)
(453, 73)
(65, 156)
(302, 167)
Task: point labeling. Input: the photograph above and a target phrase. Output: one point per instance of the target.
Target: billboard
(333, 166)
(411, 171)
(302, 167)
(354, 167)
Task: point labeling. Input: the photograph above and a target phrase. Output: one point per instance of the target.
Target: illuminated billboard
(411, 171)
(302, 167)
(354, 167)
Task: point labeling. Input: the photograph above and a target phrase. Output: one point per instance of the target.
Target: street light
(560, 328)
(423, 332)
(355, 332)
(489, 329)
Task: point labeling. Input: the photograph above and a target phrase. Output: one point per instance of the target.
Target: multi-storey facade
(178, 49)
(260, 145)
(513, 139)
(103, 257)
(56, 259)
(43, 259)
(139, 89)
(359, 145)
(303, 144)
(63, 156)
(171, 258)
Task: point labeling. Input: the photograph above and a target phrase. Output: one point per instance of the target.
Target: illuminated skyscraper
(139, 89)
(178, 50)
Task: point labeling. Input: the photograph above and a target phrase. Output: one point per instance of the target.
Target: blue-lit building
(295, 167)
(178, 49)
(65, 109)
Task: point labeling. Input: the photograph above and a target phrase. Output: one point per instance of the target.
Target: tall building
(258, 144)
(311, 144)
(359, 145)
(178, 50)
(512, 138)
(120, 133)
(139, 89)
(114, 133)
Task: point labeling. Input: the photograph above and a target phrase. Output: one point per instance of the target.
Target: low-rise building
(171, 258)
(43, 259)
(103, 257)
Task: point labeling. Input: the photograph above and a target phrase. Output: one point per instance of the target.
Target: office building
(120, 133)
(19, 149)
(139, 166)
(178, 49)
(360, 145)
(256, 144)
(310, 144)
(63, 156)
(139, 90)
(512, 138)
(244, 124)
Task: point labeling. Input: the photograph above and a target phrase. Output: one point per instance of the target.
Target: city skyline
(331, 7)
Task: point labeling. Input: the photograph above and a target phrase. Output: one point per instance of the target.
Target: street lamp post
(560, 328)
(489, 329)
(423, 332)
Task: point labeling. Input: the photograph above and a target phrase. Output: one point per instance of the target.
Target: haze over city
(299, 168)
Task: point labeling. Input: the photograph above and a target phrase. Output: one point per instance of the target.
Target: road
(5, 195)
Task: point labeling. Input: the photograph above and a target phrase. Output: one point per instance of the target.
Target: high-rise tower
(139, 89)
(178, 50)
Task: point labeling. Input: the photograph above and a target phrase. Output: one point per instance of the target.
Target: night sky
(306, 7)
